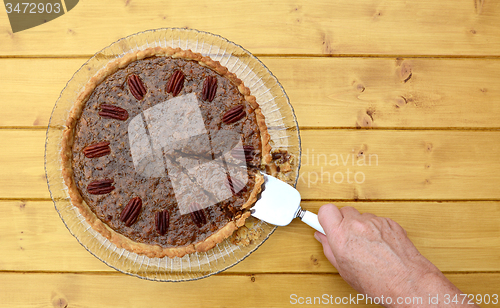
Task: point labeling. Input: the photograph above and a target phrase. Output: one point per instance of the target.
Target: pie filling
(166, 151)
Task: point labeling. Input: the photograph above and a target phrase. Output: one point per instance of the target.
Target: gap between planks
(235, 274)
(307, 128)
(298, 55)
(314, 200)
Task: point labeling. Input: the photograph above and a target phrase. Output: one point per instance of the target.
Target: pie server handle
(311, 219)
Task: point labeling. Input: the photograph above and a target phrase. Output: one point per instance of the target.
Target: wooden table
(413, 85)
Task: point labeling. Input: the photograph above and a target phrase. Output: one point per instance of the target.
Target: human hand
(375, 256)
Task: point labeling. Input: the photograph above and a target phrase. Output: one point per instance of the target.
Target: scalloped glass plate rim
(149, 275)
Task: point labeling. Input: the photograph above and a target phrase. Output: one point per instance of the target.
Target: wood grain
(370, 164)
(27, 97)
(336, 164)
(419, 78)
(456, 28)
(391, 93)
(259, 290)
(455, 236)
(325, 92)
(22, 156)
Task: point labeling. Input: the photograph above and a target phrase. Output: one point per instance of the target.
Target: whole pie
(162, 152)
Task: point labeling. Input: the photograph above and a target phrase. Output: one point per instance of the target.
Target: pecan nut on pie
(162, 152)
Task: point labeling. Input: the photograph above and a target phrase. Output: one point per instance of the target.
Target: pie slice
(162, 152)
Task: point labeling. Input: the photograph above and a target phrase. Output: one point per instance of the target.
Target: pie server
(279, 204)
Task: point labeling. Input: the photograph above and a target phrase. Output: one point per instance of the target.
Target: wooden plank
(461, 27)
(260, 290)
(37, 240)
(467, 238)
(325, 92)
(28, 98)
(336, 164)
(425, 165)
(391, 93)
(22, 159)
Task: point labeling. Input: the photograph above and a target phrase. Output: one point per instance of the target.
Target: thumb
(330, 217)
(327, 250)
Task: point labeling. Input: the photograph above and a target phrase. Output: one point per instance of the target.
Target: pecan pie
(162, 152)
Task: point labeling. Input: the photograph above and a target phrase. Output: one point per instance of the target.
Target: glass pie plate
(280, 120)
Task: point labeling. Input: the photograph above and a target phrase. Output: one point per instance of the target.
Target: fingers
(327, 250)
(395, 226)
(349, 211)
(352, 213)
(369, 215)
(329, 217)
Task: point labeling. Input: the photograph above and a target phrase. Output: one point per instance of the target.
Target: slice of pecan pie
(162, 152)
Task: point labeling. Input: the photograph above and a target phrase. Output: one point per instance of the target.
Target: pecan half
(175, 83)
(198, 215)
(209, 88)
(113, 112)
(97, 149)
(234, 114)
(136, 86)
(280, 157)
(162, 219)
(234, 185)
(246, 153)
(101, 187)
(131, 211)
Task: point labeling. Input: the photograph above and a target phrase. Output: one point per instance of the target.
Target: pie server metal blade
(279, 204)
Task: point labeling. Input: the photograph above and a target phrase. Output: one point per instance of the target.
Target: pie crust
(67, 155)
